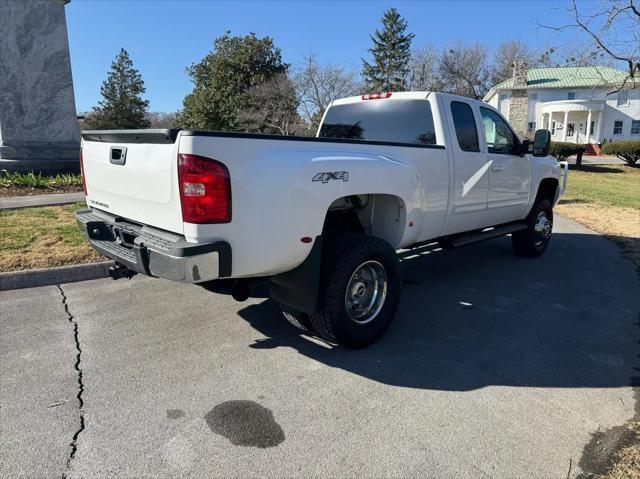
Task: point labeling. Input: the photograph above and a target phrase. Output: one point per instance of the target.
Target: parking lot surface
(495, 366)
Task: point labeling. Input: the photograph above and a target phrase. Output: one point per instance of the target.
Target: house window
(531, 127)
(591, 128)
(623, 98)
(553, 127)
(571, 95)
(617, 127)
(571, 129)
(635, 127)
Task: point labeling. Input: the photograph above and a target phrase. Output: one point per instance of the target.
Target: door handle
(497, 167)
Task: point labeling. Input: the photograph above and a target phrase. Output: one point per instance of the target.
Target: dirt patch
(621, 225)
(627, 465)
(612, 454)
(13, 190)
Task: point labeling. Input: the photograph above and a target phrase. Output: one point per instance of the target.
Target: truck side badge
(331, 175)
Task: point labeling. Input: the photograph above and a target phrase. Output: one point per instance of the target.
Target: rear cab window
(465, 126)
(397, 121)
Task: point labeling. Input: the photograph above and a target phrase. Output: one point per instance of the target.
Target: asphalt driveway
(494, 367)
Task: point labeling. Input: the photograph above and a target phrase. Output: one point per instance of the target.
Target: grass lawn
(612, 185)
(606, 199)
(42, 238)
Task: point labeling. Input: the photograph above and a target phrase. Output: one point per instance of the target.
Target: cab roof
(401, 95)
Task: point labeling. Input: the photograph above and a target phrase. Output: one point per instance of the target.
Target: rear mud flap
(299, 288)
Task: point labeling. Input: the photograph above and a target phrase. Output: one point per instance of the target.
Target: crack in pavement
(74, 440)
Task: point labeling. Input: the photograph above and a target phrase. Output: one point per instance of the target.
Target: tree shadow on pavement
(479, 316)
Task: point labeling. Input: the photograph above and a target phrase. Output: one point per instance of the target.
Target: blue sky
(165, 36)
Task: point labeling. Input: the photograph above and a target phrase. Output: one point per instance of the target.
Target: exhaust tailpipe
(241, 290)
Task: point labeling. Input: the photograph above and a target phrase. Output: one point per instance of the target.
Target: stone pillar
(519, 102)
(38, 126)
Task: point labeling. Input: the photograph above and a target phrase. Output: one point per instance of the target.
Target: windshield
(400, 121)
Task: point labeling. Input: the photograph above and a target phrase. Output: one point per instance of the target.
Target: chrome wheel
(542, 229)
(366, 292)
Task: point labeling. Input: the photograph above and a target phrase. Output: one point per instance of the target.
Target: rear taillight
(376, 96)
(84, 181)
(205, 190)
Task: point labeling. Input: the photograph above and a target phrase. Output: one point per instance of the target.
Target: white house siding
(611, 112)
(624, 113)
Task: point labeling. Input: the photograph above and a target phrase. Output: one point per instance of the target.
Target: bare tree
(161, 119)
(424, 74)
(318, 85)
(464, 70)
(271, 107)
(612, 28)
(507, 53)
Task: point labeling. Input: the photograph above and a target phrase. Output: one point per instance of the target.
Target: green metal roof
(567, 77)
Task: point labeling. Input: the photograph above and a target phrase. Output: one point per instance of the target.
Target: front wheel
(533, 240)
(360, 290)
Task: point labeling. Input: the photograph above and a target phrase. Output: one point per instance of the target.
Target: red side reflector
(205, 190)
(84, 181)
(376, 96)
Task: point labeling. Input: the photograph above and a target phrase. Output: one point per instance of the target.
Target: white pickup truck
(321, 218)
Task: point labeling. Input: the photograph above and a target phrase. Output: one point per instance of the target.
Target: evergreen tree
(223, 78)
(123, 106)
(391, 55)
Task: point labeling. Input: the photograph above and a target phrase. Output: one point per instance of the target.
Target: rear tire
(360, 290)
(533, 241)
(297, 318)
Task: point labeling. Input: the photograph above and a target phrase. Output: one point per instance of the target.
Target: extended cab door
(509, 174)
(470, 177)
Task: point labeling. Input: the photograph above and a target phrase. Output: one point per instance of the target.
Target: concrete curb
(50, 276)
(31, 201)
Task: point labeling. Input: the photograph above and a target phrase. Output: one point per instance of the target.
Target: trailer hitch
(119, 271)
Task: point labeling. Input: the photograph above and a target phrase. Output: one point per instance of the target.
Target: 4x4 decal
(331, 175)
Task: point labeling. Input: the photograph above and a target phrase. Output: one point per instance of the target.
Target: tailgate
(133, 174)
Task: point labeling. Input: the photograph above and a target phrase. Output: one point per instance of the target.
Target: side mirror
(542, 143)
(525, 147)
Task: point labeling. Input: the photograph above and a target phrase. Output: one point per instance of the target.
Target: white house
(574, 103)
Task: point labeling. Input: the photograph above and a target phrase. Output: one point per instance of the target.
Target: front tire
(360, 290)
(533, 240)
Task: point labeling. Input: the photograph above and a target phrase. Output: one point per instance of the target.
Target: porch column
(564, 126)
(588, 129)
(599, 127)
(549, 120)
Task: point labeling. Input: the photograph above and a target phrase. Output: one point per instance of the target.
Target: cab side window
(500, 137)
(465, 126)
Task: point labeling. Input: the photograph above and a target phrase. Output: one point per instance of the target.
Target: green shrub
(33, 180)
(562, 150)
(628, 150)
